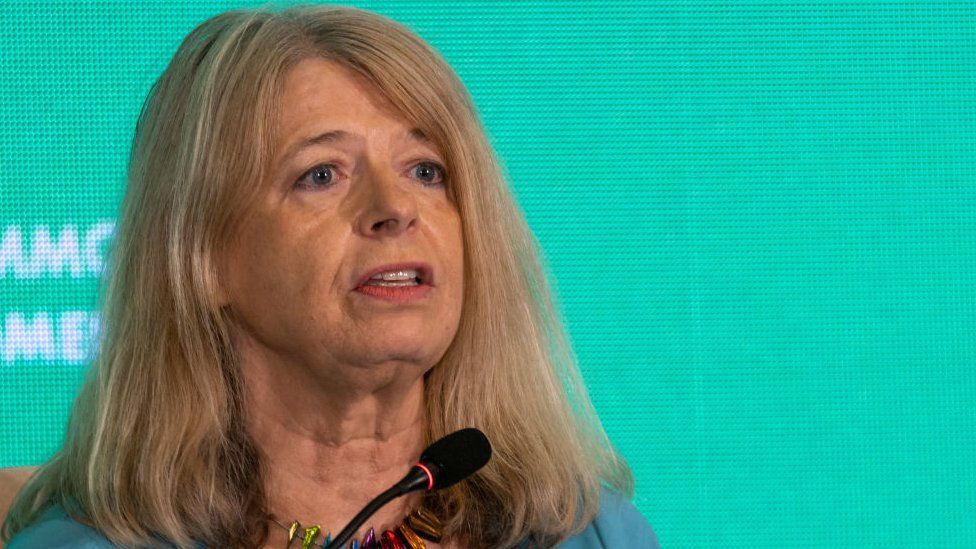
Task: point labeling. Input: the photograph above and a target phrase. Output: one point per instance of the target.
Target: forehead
(318, 92)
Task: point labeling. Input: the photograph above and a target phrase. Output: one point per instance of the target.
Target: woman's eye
(323, 175)
(430, 173)
(319, 176)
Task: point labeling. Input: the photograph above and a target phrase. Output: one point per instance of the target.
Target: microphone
(444, 463)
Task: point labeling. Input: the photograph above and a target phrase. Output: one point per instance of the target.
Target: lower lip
(396, 294)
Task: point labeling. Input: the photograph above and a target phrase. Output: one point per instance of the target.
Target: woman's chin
(396, 346)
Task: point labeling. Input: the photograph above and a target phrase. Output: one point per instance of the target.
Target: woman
(318, 270)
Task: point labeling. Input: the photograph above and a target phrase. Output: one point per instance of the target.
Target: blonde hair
(156, 448)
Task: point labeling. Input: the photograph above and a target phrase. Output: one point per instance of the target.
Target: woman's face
(352, 189)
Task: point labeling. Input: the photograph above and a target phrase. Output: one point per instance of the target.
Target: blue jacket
(618, 524)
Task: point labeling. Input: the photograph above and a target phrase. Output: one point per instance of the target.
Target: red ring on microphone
(430, 476)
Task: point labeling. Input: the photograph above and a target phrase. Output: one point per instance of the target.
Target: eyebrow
(338, 136)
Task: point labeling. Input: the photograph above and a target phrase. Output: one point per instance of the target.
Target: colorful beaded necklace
(410, 534)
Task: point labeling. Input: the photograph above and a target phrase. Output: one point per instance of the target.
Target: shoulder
(55, 530)
(617, 524)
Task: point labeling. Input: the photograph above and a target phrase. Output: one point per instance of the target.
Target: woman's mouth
(396, 292)
(397, 286)
(393, 279)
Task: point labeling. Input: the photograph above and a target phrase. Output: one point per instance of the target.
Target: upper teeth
(396, 275)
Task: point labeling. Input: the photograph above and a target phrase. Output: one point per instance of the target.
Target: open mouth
(401, 275)
(395, 279)
(399, 283)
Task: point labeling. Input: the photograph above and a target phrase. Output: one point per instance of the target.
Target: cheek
(256, 262)
(456, 257)
(271, 272)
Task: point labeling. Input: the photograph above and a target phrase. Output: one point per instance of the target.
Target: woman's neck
(324, 456)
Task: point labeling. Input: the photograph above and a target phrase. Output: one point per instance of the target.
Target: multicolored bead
(391, 541)
(410, 534)
(310, 534)
(293, 531)
(369, 542)
(411, 538)
(425, 525)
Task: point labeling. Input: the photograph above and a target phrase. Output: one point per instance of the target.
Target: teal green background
(760, 218)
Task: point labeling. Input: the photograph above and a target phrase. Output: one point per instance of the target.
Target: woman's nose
(389, 208)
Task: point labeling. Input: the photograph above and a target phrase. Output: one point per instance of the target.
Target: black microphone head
(457, 456)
